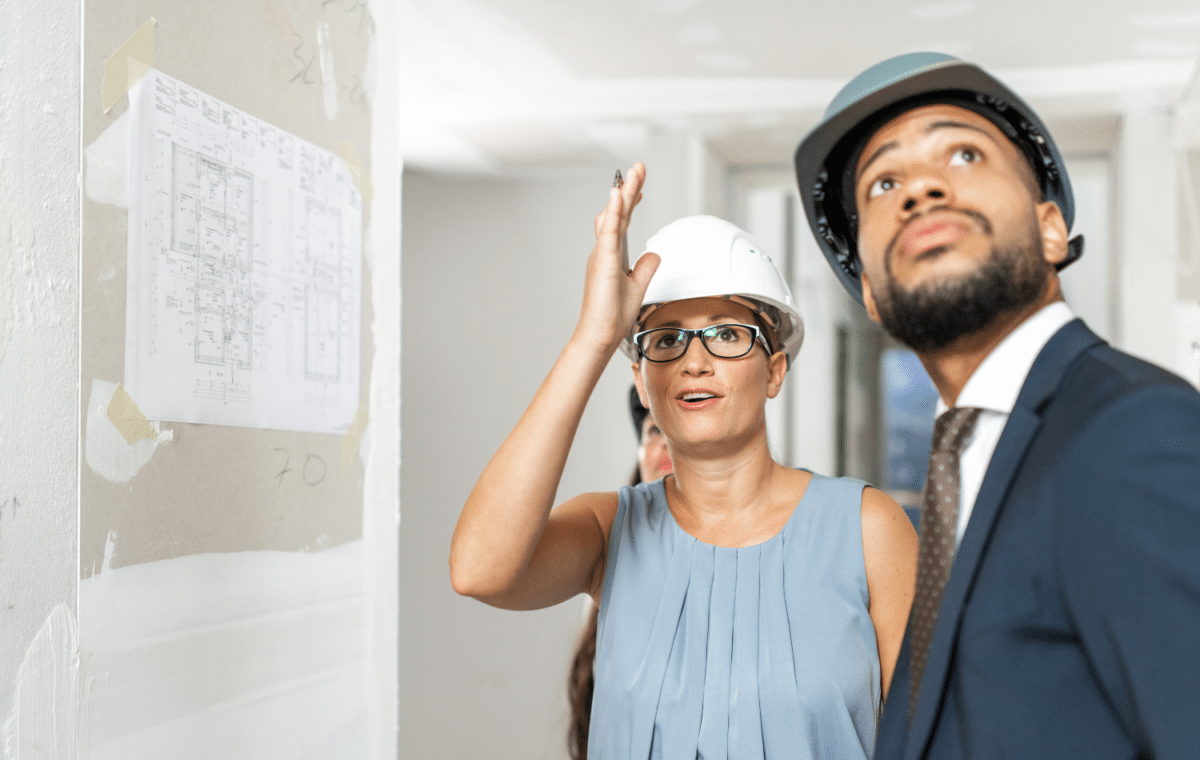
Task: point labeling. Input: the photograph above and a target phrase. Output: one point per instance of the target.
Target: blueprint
(244, 278)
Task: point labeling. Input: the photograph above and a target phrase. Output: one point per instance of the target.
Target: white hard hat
(704, 257)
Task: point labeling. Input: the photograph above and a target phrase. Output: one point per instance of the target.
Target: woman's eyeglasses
(728, 341)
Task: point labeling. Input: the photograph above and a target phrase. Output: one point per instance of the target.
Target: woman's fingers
(643, 270)
(631, 191)
(622, 200)
(609, 220)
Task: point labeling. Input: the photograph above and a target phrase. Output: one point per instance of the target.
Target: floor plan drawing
(245, 248)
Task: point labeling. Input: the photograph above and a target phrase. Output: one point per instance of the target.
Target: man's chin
(932, 316)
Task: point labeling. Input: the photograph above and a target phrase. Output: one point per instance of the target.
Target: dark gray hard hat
(827, 157)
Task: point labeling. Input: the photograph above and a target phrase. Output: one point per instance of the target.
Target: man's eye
(881, 186)
(964, 156)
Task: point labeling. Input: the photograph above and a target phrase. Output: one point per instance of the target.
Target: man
(1058, 604)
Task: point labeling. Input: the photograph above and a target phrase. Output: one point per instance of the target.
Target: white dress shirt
(994, 387)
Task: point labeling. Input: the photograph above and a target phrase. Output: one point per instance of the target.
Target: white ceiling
(511, 85)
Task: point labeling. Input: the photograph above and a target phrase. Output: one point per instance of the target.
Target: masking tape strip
(128, 419)
(353, 436)
(125, 67)
(362, 179)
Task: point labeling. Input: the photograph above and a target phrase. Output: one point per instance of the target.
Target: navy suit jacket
(1070, 627)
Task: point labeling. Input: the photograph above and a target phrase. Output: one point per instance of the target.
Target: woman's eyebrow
(715, 319)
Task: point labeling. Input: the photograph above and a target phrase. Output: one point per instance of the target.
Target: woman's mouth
(698, 399)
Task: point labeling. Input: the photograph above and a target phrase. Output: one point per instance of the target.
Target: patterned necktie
(939, 527)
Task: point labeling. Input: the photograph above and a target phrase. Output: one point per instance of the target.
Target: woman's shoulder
(837, 491)
(876, 509)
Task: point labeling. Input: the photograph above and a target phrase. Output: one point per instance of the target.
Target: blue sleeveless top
(763, 651)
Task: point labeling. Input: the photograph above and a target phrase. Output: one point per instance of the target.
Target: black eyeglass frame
(699, 333)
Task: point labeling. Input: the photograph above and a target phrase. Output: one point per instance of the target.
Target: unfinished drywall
(236, 592)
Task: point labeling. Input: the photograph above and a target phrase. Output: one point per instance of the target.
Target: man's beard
(929, 318)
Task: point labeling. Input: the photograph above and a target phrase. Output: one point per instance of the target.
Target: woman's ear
(640, 385)
(777, 367)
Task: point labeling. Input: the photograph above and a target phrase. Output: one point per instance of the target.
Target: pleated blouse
(764, 651)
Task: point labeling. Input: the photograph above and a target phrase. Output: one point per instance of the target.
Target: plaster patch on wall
(107, 163)
(328, 76)
(245, 650)
(351, 442)
(291, 723)
(43, 720)
(105, 448)
(127, 606)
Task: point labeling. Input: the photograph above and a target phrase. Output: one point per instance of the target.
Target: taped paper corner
(118, 441)
(362, 179)
(127, 65)
(353, 437)
(128, 419)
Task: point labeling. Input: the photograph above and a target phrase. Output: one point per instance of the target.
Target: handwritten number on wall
(314, 469)
(302, 74)
(312, 473)
(287, 457)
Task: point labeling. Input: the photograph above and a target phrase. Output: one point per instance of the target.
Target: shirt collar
(997, 382)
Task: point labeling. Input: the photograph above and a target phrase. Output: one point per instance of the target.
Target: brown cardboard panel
(216, 488)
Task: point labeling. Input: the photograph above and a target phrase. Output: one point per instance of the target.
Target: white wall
(492, 277)
(1148, 235)
(39, 366)
(1089, 285)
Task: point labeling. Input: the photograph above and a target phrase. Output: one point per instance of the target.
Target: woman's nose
(696, 359)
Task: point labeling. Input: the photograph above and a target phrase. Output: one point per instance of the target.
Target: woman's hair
(581, 679)
(581, 684)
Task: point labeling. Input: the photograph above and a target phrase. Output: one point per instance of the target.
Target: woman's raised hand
(612, 296)
(509, 548)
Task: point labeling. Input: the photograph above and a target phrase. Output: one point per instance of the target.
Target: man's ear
(869, 298)
(777, 368)
(1053, 229)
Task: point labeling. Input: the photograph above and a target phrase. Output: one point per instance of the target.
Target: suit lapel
(1043, 381)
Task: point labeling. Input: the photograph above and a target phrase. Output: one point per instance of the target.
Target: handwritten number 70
(312, 472)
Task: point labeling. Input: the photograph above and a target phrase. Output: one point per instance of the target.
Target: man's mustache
(977, 217)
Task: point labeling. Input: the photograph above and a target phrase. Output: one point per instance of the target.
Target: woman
(653, 462)
(746, 609)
